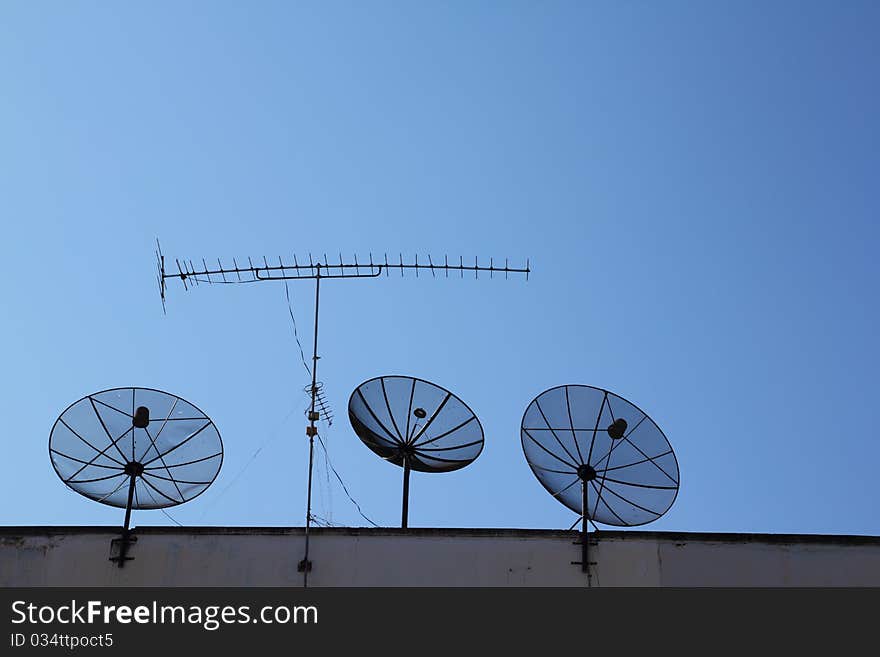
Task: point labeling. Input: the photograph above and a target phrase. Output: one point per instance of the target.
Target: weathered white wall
(34, 556)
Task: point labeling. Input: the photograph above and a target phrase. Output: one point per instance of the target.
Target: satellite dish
(135, 448)
(600, 455)
(415, 424)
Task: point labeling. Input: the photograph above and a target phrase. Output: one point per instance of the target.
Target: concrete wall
(78, 556)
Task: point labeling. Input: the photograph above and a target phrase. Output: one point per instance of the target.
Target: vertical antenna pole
(123, 547)
(306, 565)
(312, 430)
(404, 514)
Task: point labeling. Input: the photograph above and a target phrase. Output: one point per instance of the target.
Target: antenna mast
(192, 275)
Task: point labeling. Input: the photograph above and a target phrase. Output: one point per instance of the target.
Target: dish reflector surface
(578, 433)
(171, 446)
(403, 417)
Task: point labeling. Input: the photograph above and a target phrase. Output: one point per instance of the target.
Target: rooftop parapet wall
(268, 556)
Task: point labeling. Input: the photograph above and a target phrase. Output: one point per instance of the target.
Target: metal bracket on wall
(120, 549)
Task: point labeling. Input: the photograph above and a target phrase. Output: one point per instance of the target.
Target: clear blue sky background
(694, 182)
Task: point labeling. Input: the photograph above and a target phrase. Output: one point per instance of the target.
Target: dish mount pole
(404, 514)
(585, 539)
(126, 531)
(586, 474)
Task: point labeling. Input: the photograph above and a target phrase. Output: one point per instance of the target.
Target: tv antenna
(135, 448)
(319, 268)
(415, 424)
(601, 456)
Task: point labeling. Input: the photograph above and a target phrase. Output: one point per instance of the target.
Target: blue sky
(694, 183)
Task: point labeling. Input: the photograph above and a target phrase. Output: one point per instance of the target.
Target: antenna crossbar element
(190, 274)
